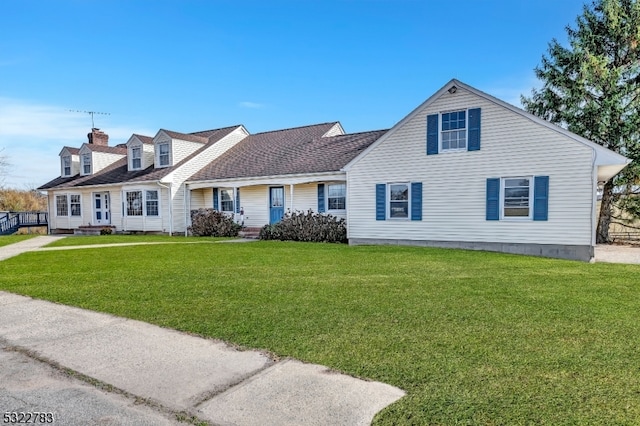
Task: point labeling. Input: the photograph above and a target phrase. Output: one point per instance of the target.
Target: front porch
(255, 203)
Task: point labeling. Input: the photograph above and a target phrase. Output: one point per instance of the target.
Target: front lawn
(85, 240)
(473, 337)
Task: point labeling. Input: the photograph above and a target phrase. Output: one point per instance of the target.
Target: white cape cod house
(462, 170)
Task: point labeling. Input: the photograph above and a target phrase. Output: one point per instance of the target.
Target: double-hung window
(86, 164)
(163, 154)
(336, 196)
(152, 203)
(398, 200)
(74, 204)
(517, 197)
(62, 208)
(226, 200)
(454, 131)
(66, 165)
(136, 159)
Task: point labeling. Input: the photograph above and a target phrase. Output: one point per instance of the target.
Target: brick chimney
(98, 137)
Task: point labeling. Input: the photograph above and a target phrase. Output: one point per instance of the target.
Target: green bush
(212, 223)
(106, 231)
(307, 226)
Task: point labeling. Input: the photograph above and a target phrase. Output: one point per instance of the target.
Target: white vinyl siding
(454, 191)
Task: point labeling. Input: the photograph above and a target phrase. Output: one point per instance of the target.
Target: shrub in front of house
(106, 231)
(212, 223)
(307, 226)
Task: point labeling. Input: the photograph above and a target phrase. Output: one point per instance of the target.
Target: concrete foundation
(570, 252)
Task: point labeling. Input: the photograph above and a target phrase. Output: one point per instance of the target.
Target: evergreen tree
(592, 88)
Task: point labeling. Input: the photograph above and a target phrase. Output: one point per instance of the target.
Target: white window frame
(64, 205)
(135, 149)
(144, 203)
(69, 205)
(85, 160)
(66, 159)
(344, 196)
(148, 200)
(503, 198)
(168, 154)
(389, 201)
(441, 132)
(232, 200)
(73, 203)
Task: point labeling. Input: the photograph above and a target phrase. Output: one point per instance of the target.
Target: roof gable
(603, 155)
(67, 150)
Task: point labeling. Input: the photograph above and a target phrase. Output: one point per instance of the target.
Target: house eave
(292, 179)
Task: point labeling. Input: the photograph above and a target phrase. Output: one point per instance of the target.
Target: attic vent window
(453, 89)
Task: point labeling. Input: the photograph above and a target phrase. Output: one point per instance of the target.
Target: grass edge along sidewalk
(473, 337)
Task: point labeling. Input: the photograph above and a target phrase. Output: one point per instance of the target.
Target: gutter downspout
(170, 207)
(186, 213)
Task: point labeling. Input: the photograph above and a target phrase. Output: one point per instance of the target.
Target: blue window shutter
(237, 200)
(432, 134)
(321, 208)
(416, 200)
(381, 202)
(474, 130)
(541, 198)
(493, 199)
(215, 199)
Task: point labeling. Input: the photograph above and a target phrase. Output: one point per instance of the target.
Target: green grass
(84, 240)
(10, 239)
(473, 337)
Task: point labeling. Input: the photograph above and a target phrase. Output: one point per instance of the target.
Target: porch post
(291, 197)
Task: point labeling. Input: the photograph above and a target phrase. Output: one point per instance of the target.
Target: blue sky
(193, 65)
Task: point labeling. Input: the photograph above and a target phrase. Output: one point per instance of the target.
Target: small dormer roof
(69, 150)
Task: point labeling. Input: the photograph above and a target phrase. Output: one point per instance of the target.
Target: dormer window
(86, 164)
(163, 154)
(136, 158)
(66, 165)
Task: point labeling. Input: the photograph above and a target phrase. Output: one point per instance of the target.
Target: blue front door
(276, 203)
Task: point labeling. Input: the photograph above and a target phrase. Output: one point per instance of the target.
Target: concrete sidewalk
(173, 374)
(26, 245)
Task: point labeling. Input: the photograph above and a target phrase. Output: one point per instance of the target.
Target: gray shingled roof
(144, 139)
(189, 137)
(117, 172)
(292, 151)
(118, 149)
(72, 151)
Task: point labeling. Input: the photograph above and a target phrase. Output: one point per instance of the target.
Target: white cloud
(32, 135)
(253, 105)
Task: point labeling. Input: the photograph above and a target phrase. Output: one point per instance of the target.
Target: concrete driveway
(617, 253)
